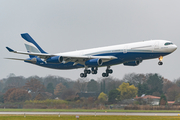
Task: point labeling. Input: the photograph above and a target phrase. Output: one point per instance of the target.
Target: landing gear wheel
(94, 72)
(160, 63)
(87, 71)
(83, 75)
(109, 71)
(105, 74)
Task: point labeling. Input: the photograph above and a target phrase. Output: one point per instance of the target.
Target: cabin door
(125, 49)
(156, 45)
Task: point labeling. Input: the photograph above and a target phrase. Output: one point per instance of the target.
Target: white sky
(67, 25)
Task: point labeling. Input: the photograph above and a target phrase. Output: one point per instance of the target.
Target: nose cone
(173, 48)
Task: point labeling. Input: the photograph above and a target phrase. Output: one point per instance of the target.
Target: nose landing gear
(160, 60)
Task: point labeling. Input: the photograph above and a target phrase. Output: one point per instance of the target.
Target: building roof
(148, 97)
(170, 102)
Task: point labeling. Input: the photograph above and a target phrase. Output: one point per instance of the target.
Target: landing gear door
(156, 45)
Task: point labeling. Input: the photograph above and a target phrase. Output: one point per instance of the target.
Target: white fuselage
(144, 46)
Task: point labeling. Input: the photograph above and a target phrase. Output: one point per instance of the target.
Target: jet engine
(34, 60)
(55, 59)
(132, 63)
(94, 62)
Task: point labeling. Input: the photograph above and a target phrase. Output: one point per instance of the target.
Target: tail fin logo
(31, 47)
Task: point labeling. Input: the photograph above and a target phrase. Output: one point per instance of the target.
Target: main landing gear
(160, 60)
(87, 71)
(108, 71)
(94, 71)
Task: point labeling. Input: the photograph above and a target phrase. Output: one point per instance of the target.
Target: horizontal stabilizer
(9, 49)
(41, 55)
(17, 59)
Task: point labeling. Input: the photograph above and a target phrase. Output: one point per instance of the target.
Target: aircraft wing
(82, 59)
(66, 58)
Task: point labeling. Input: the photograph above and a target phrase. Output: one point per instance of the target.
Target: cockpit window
(168, 43)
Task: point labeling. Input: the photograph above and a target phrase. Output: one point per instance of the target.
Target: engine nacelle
(132, 63)
(34, 60)
(55, 59)
(94, 62)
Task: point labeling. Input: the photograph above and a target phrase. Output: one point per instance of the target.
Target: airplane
(131, 54)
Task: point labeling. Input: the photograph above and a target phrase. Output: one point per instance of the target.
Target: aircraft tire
(82, 75)
(110, 71)
(160, 63)
(104, 74)
(88, 71)
(94, 72)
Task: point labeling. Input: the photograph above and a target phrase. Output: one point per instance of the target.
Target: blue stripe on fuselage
(122, 57)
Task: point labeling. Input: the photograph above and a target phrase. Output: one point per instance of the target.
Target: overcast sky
(68, 25)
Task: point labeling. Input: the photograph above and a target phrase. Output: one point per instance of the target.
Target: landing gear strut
(160, 60)
(108, 71)
(94, 70)
(86, 71)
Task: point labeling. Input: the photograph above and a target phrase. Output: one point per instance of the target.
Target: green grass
(86, 110)
(89, 118)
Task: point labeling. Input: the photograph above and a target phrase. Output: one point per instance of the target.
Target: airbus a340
(131, 54)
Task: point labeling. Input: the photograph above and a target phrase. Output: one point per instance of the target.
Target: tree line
(110, 90)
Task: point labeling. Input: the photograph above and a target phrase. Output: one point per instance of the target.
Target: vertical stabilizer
(31, 45)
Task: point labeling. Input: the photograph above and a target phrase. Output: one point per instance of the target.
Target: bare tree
(60, 88)
(34, 85)
(172, 92)
(135, 79)
(81, 85)
(166, 85)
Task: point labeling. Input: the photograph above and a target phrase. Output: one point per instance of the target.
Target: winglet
(9, 49)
